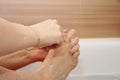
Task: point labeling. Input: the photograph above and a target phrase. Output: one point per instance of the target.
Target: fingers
(50, 54)
(54, 46)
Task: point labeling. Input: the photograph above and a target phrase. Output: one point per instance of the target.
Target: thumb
(50, 54)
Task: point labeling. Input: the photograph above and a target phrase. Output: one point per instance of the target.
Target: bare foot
(61, 61)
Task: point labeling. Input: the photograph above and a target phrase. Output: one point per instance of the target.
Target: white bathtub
(99, 60)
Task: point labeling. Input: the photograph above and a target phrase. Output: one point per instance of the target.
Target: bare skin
(72, 53)
(14, 37)
(22, 58)
(67, 56)
(6, 74)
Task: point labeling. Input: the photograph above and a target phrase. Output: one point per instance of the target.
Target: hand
(61, 61)
(37, 54)
(49, 32)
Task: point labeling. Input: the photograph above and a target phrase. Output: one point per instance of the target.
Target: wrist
(23, 57)
(27, 53)
(33, 37)
(36, 36)
(29, 37)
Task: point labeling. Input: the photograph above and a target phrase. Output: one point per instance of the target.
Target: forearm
(16, 60)
(15, 37)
